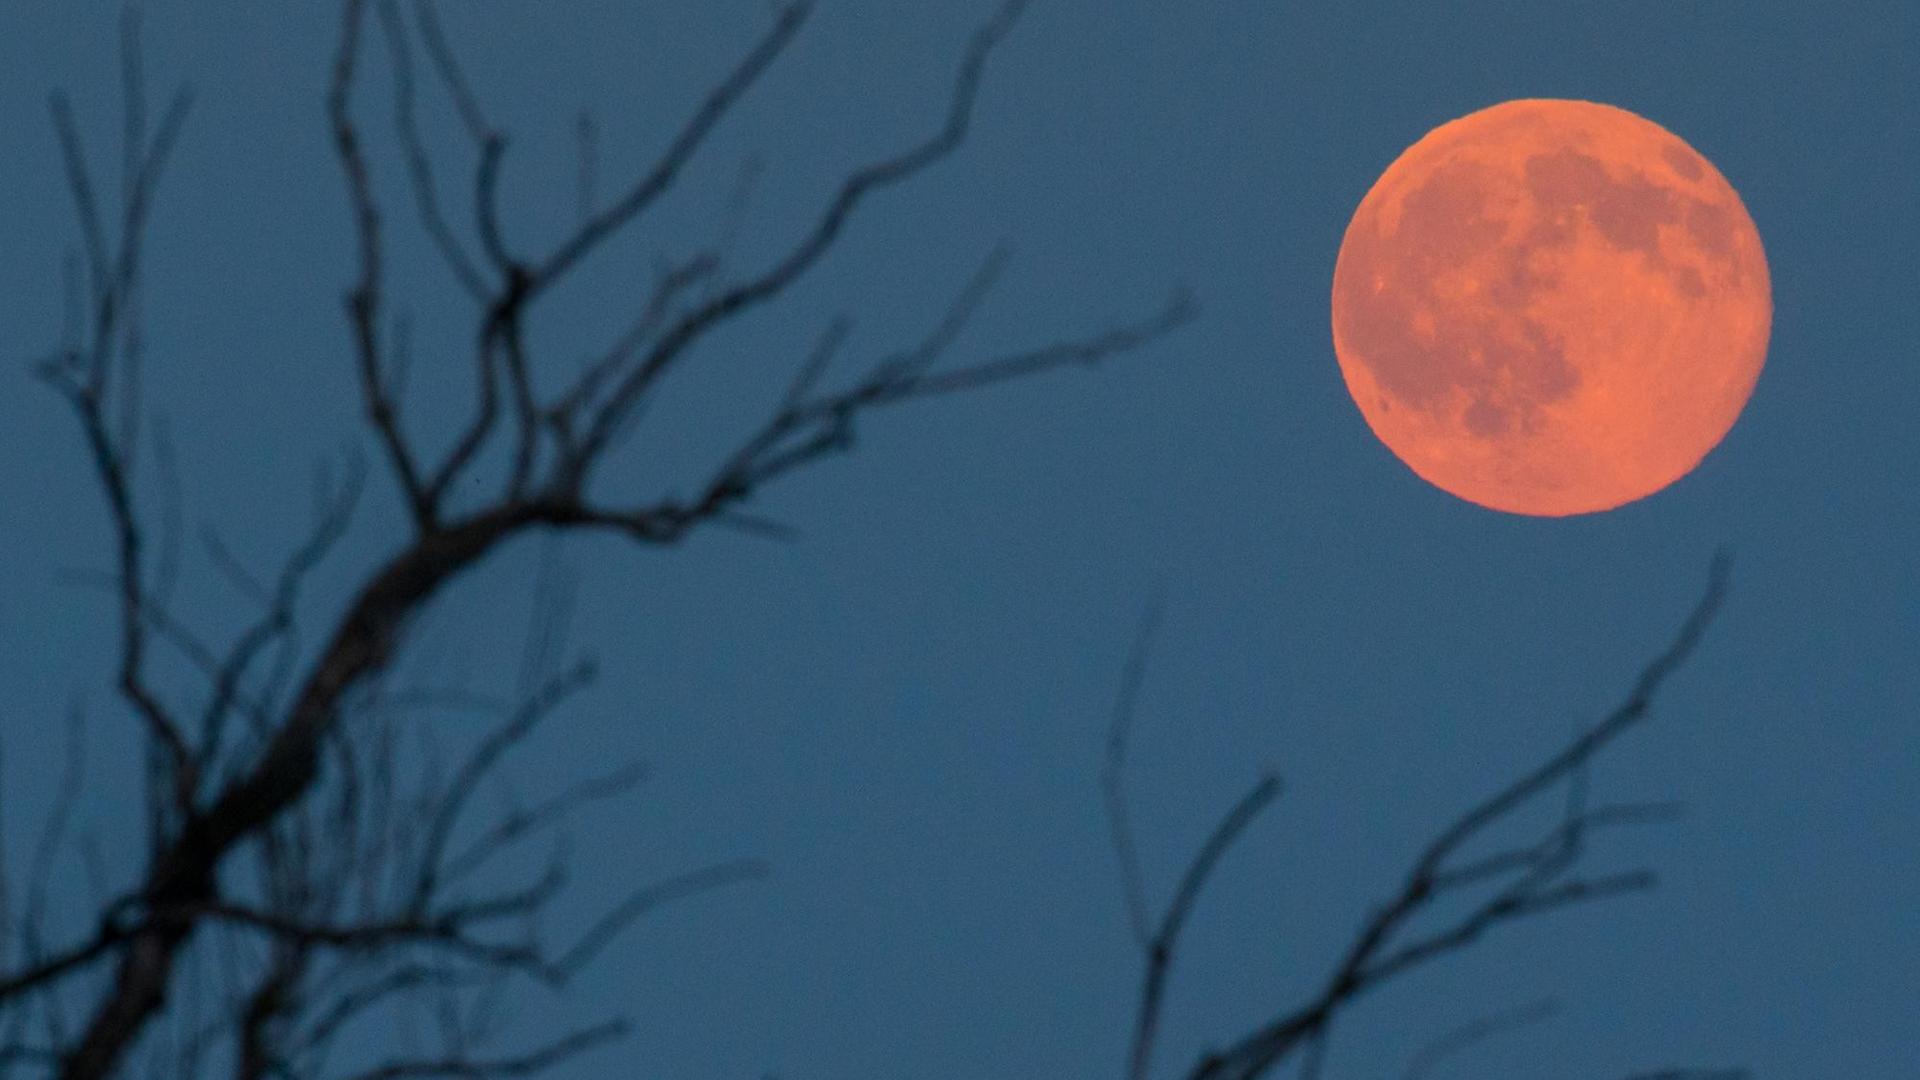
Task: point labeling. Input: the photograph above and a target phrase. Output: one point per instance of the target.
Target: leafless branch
(725, 95)
(276, 620)
(646, 900)
(803, 256)
(810, 427)
(515, 825)
(529, 1064)
(1113, 777)
(1524, 883)
(486, 755)
(673, 282)
(84, 374)
(350, 852)
(1159, 941)
(364, 299)
(1479, 1031)
(1162, 947)
(419, 164)
(447, 64)
(57, 966)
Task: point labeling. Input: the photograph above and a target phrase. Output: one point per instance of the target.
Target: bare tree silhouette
(1456, 891)
(308, 864)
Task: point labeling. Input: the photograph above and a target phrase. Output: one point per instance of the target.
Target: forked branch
(1519, 884)
(1479, 894)
(297, 799)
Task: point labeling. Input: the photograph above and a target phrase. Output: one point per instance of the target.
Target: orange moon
(1551, 307)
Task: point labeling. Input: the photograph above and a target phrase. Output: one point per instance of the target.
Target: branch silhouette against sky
(219, 797)
(313, 860)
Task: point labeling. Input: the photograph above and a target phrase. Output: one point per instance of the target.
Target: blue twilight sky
(904, 711)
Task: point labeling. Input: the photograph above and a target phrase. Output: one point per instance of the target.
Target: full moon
(1551, 307)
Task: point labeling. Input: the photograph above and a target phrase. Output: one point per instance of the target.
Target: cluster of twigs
(1452, 896)
(281, 821)
(308, 868)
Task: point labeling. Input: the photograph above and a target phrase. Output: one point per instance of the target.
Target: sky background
(904, 711)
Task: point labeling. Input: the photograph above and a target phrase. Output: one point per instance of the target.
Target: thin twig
(803, 256)
(1113, 776)
(1536, 885)
(419, 164)
(644, 193)
(364, 298)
